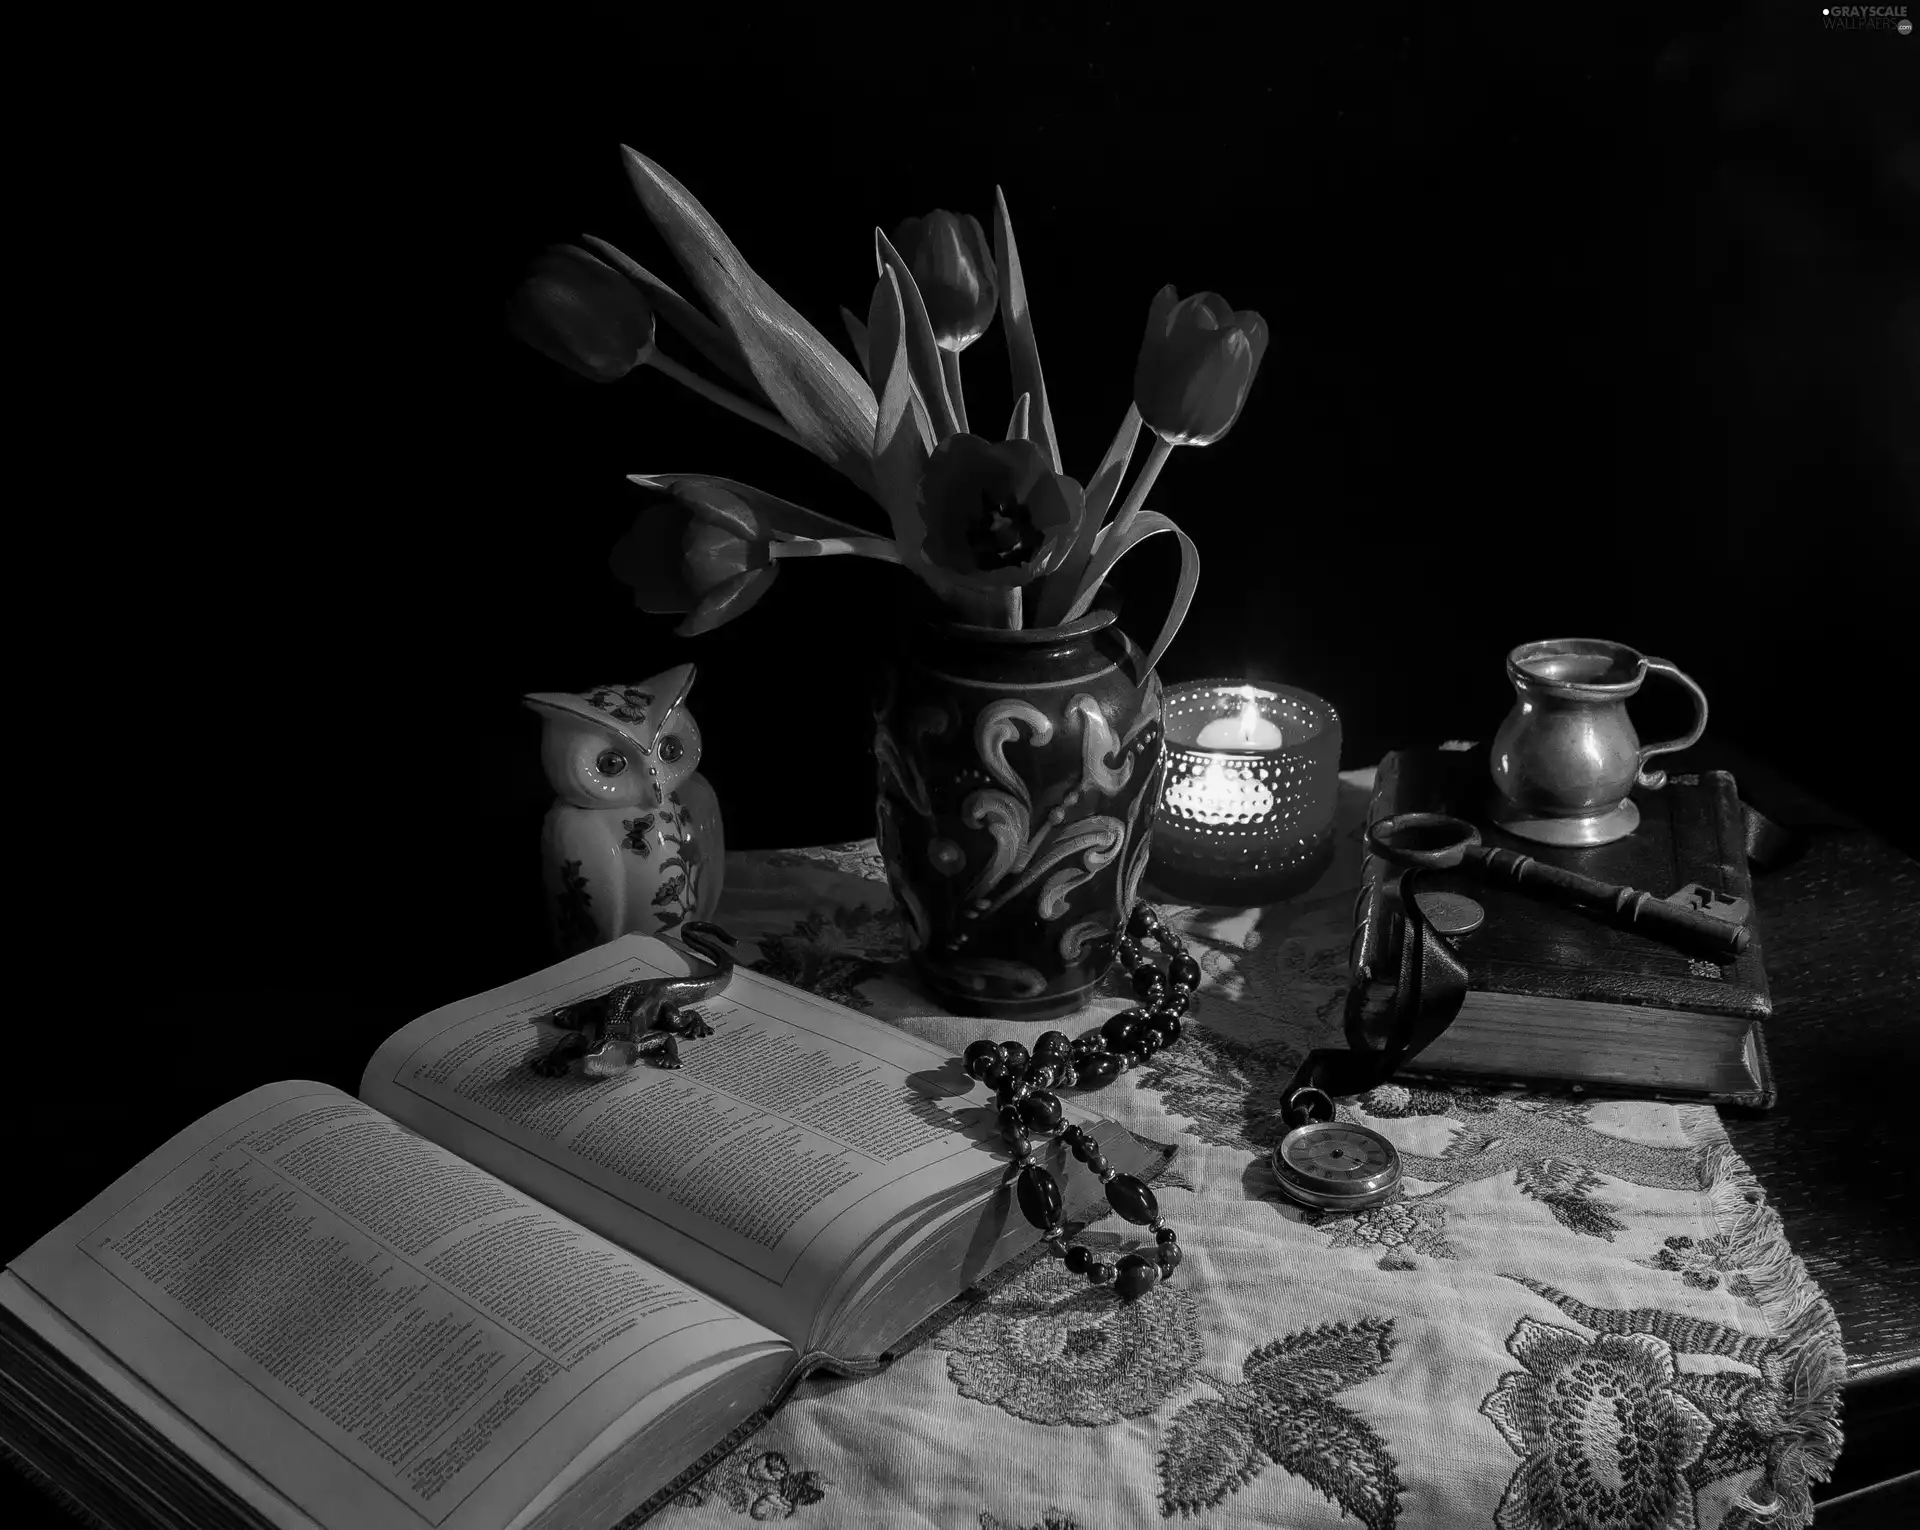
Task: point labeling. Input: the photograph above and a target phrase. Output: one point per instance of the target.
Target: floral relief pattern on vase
(1554, 1155)
(1049, 1348)
(1702, 1263)
(1396, 1229)
(1016, 771)
(1229, 1089)
(758, 1483)
(832, 951)
(1282, 1412)
(1611, 1431)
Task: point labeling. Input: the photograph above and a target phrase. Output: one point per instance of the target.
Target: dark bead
(1099, 1070)
(1016, 1057)
(1096, 1161)
(1142, 922)
(1079, 1258)
(1185, 970)
(1041, 1111)
(1011, 1120)
(1052, 1047)
(993, 1075)
(1166, 1235)
(1170, 1257)
(1147, 979)
(1132, 1199)
(1067, 1077)
(1089, 1044)
(1127, 950)
(978, 1055)
(1071, 1133)
(1135, 1277)
(1119, 1028)
(1039, 1197)
(1018, 1145)
(1041, 1075)
(1099, 1272)
(1012, 1090)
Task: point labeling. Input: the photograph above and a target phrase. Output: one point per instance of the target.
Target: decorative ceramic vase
(633, 843)
(1019, 772)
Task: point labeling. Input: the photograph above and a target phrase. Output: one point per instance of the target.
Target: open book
(476, 1298)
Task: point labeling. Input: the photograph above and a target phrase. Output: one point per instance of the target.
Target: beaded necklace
(1023, 1084)
(610, 1033)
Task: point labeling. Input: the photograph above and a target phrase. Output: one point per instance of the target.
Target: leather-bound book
(1556, 996)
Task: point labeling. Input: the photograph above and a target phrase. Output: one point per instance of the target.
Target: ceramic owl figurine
(633, 842)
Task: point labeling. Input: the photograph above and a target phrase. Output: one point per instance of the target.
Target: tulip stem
(950, 364)
(724, 399)
(882, 548)
(1014, 613)
(1137, 495)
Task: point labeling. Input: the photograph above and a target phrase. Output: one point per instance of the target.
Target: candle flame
(1249, 715)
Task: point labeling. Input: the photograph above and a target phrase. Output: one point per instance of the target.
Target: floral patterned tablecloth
(1576, 1314)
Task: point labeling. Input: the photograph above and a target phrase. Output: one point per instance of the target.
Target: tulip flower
(996, 514)
(712, 551)
(1197, 362)
(583, 314)
(952, 265)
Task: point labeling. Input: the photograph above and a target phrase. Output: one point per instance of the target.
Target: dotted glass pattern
(1242, 826)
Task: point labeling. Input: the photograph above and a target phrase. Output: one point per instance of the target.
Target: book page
(386, 1335)
(787, 1141)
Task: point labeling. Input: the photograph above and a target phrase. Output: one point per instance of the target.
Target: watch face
(1336, 1164)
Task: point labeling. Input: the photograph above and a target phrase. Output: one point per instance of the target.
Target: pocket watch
(1334, 1165)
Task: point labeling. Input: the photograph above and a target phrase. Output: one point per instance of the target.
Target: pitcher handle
(1653, 780)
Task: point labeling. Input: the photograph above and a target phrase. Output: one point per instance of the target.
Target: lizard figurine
(645, 1019)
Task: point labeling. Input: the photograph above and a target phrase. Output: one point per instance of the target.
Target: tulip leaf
(1105, 483)
(687, 321)
(1146, 524)
(923, 351)
(752, 512)
(857, 332)
(813, 387)
(724, 602)
(1017, 426)
(900, 442)
(1021, 351)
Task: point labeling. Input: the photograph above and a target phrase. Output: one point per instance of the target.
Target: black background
(1583, 322)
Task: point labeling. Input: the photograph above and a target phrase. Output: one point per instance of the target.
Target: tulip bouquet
(995, 528)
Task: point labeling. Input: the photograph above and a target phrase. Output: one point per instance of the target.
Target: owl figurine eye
(610, 763)
(671, 749)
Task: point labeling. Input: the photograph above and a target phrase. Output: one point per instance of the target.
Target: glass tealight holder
(1246, 810)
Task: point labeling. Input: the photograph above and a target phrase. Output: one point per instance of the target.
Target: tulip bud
(1197, 362)
(952, 265)
(583, 314)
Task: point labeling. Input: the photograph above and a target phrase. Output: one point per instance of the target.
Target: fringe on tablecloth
(1797, 1314)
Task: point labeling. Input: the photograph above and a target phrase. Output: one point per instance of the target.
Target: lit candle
(1216, 797)
(1247, 731)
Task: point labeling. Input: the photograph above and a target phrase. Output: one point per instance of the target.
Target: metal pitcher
(1567, 755)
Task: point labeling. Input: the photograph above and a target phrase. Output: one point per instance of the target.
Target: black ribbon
(1433, 985)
